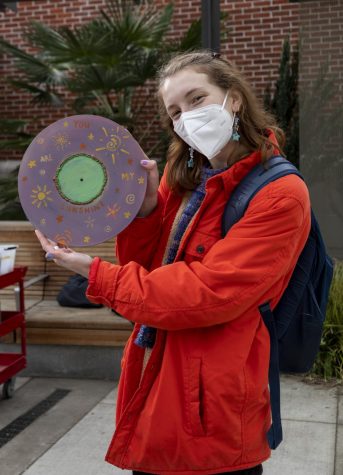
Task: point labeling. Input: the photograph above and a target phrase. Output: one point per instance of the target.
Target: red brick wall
(256, 29)
(322, 38)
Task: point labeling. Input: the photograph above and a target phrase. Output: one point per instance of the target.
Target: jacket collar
(235, 174)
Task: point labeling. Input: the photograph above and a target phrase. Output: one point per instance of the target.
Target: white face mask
(206, 129)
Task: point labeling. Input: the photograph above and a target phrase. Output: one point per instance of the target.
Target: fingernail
(144, 162)
(49, 256)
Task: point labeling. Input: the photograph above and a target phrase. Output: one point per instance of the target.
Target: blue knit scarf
(147, 335)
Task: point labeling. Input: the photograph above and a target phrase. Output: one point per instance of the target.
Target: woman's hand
(65, 257)
(150, 200)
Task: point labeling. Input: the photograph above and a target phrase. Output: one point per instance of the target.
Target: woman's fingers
(53, 251)
(65, 257)
(46, 244)
(150, 200)
(153, 175)
(148, 164)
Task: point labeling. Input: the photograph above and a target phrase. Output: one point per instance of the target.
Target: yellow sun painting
(41, 196)
(61, 141)
(113, 143)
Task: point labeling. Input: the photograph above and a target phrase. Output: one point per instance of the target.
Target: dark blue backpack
(295, 326)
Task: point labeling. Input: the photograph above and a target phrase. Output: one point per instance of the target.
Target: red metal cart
(10, 321)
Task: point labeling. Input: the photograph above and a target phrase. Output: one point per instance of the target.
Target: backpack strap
(235, 208)
(274, 434)
(251, 184)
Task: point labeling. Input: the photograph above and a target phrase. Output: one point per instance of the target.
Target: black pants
(258, 470)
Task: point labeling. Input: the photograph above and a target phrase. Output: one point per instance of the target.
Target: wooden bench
(47, 322)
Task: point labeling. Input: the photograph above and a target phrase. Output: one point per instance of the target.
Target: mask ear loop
(225, 99)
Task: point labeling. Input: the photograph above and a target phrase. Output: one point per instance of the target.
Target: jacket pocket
(198, 245)
(194, 398)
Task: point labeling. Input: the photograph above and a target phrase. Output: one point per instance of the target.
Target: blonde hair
(254, 126)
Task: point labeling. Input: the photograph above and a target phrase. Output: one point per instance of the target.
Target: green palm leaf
(13, 135)
(142, 26)
(42, 95)
(190, 40)
(32, 66)
(11, 126)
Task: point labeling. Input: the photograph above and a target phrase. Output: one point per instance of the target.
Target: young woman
(193, 394)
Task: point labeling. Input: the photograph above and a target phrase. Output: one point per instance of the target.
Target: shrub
(282, 100)
(329, 362)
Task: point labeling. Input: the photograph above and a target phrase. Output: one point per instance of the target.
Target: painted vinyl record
(80, 180)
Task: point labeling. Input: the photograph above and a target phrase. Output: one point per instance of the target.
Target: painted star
(32, 163)
(45, 158)
(112, 211)
(90, 222)
(59, 218)
(127, 215)
(90, 136)
(66, 124)
(129, 161)
(24, 179)
(82, 146)
(86, 239)
(141, 180)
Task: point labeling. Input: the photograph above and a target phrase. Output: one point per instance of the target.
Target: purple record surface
(80, 180)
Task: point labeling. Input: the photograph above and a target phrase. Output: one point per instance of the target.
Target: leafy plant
(321, 122)
(329, 363)
(283, 101)
(13, 136)
(102, 62)
(10, 208)
(308, 109)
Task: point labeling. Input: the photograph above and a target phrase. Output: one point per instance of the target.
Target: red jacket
(202, 405)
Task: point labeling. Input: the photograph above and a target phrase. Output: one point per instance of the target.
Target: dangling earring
(190, 162)
(235, 135)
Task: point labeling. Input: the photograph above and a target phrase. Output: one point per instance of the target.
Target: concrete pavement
(71, 437)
